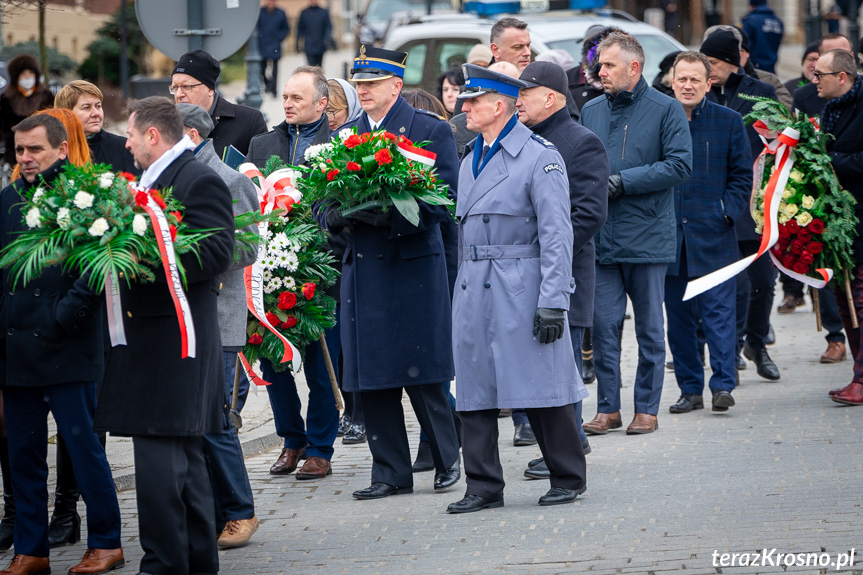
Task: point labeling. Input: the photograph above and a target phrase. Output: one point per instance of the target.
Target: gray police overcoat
(515, 239)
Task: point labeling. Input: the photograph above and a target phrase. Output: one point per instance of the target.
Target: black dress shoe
(381, 490)
(686, 403)
(344, 425)
(771, 335)
(538, 471)
(763, 364)
(559, 495)
(447, 478)
(64, 530)
(523, 435)
(589, 372)
(739, 363)
(585, 446)
(424, 460)
(535, 462)
(355, 434)
(472, 503)
(722, 400)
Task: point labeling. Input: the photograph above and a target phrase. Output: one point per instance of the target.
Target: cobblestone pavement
(781, 470)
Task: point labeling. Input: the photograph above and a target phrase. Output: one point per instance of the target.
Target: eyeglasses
(820, 74)
(331, 114)
(173, 89)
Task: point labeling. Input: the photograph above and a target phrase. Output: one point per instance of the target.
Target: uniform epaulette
(543, 141)
(432, 114)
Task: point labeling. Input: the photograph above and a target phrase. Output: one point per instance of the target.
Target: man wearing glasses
(193, 81)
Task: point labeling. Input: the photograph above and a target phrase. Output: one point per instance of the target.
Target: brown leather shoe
(98, 561)
(287, 461)
(835, 352)
(603, 423)
(839, 390)
(851, 395)
(28, 565)
(790, 303)
(642, 423)
(237, 532)
(315, 468)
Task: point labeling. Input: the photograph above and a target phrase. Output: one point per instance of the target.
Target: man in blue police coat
(395, 311)
(511, 344)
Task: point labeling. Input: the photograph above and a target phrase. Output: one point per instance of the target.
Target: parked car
(437, 43)
(376, 17)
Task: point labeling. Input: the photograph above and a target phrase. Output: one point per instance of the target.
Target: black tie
(483, 154)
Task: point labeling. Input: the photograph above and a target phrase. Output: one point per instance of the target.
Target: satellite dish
(221, 27)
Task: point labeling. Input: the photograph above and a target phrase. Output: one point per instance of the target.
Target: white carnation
(38, 194)
(105, 180)
(34, 218)
(345, 134)
(139, 224)
(83, 200)
(63, 219)
(99, 227)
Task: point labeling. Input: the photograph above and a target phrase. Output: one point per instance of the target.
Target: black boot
(65, 526)
(7, 525)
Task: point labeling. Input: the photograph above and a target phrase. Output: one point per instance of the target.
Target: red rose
(179, 217)
(289, 323)
(353, 141)
(354, 167)
(793, 226)
(273, 319)
(390, 136)
(814, 247)
(816, 226)
(141, 198)
(129, 177)
(804, 236)
(806, 258)
(158, 198)
(777, 250)
(796, 247)
(287, 300)
(800, 268)
(783, 231)
(383, 157)
(783, 244)
(173, 229)
(309, 290)
(331, 175)
(788, 261)
(405, 140)
(256, 339)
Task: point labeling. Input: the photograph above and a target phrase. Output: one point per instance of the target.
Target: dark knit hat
(810, 49)
(199, 65)
(722, 45)
(754, 3)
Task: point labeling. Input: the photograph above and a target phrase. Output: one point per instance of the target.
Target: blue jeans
(318, 432)
(716, 307)
(645, 286)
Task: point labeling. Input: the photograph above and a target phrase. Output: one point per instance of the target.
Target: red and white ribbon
(416, 154)
(782, 147)
(251, 375)
(116, 331)
(172, 274)
(276, 191)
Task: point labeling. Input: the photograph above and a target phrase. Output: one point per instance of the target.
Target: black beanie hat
(813, 47)
(722, 45)
(199, 65)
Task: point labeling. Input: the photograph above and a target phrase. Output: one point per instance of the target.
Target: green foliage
(58, 63)
(298, 267)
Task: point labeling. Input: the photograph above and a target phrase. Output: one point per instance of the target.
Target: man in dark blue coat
(395, 310)
(755, 287)
(273, 28)
(51, 358)
(316, 31)
(706, 207)
(765, 30)
(542, 107)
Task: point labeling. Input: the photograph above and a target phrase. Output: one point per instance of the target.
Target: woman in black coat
(24, 95)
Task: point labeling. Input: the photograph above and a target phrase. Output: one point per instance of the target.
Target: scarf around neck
(833, 108)
(152, 173)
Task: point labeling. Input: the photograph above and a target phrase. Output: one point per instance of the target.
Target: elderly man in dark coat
(396, 330)
(193, 81)
(167, 403)
(50, 360)
(541, 107)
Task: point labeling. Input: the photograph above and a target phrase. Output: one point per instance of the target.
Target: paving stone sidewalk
(780, 470)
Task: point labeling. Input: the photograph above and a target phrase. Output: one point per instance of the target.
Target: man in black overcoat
(395, 295)
(166, 403)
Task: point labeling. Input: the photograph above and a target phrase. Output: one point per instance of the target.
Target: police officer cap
(479, 81)
(546, 74)
(376, 64)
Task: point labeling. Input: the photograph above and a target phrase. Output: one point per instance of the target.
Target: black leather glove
(376, 217)
(549, 324)
(615, 187)
(336, 221)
